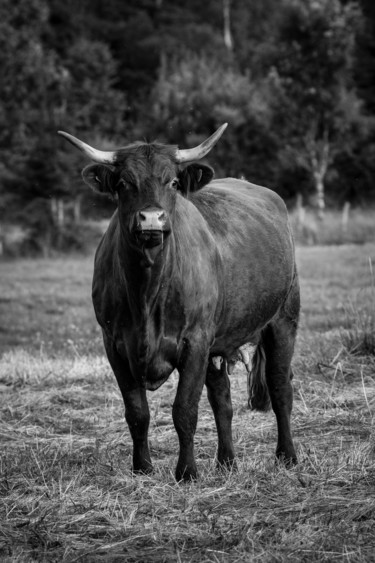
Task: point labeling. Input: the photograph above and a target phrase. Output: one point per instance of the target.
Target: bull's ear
(100, 178)
(194, 177)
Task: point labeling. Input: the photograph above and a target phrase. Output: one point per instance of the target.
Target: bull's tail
(259, 398)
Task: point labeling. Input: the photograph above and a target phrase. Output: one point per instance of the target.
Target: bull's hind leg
(218, 393)
(278, 341)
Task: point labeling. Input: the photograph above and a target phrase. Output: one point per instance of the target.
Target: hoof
(143, 470)
(186, 474)
(227, 465)
(287, 461)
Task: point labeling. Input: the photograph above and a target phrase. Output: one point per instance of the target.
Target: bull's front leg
(137, 416)
(137, 413)
(192, 372)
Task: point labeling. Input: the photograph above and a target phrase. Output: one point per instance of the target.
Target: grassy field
(66, 488)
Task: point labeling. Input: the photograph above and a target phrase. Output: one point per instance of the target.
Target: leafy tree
(364, 69)
(26, 71)
(255, 26)
(88, 101)
(294, 79)
(197, 94)
(311, 62)
(42, 92)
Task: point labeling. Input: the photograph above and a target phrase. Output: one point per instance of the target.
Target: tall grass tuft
(359, 339)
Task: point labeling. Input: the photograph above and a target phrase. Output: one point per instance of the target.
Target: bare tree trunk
(46, 244)
(1, 241)
(320, 197)
(228, 42)
(345, 217)
(300, 215)
(318, 151)
(77, 210)
(58, 218)
(163, 55)
(60, 214)
(299, 202)
(54, 210)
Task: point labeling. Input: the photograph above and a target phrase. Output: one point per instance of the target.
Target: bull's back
(251, 228)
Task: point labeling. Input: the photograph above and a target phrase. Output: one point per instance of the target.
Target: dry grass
(66, 489)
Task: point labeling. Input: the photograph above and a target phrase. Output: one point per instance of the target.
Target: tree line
(295, 80)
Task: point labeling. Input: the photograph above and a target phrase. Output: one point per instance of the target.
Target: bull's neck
(145, 282)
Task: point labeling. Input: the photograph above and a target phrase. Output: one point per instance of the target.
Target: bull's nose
(151, 220)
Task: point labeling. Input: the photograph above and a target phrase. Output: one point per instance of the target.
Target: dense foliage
(293, 78)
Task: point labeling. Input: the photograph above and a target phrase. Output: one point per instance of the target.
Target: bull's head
(146, 178)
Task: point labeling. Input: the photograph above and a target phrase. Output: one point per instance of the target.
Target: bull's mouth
(151, 238)
(151, 242)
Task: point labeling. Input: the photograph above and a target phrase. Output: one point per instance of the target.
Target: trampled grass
(67, 492)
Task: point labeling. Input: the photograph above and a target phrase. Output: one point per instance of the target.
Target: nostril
(150, 216)
(151, 219)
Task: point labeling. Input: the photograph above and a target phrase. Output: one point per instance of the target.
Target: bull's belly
(242, 329)
(226, 344)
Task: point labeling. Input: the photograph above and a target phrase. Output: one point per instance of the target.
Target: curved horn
(104, 157)
(196, 153)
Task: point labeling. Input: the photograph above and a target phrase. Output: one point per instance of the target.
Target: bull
(190, 269)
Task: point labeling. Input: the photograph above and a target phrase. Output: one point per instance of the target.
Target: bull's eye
(123, 184)
(175, 183)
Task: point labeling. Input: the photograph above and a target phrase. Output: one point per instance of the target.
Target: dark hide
(221, 274)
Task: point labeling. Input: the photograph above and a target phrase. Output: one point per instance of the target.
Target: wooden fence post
(345, 217)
